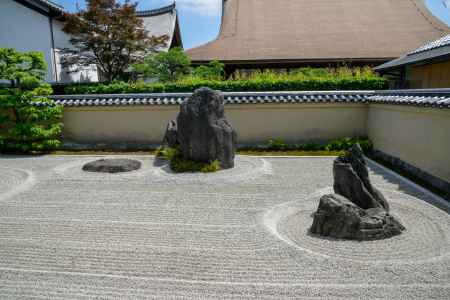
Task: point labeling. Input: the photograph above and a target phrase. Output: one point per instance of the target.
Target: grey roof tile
(444, 41)
(426, 98)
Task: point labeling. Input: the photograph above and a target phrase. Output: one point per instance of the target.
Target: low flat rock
(112, 165)
(338, 217)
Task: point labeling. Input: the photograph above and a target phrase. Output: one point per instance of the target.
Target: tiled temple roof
(444, 41)
(51, 5)
(155, 12)
(422, 98)
(436, 50)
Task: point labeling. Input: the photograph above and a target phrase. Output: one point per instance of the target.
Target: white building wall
(26, 30)
(160, 25)
(82, 74)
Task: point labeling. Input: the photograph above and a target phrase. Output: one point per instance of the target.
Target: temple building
(283, 34)
(36, 25)
(425, 67)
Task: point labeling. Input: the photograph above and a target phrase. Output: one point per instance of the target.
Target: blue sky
(200, 19)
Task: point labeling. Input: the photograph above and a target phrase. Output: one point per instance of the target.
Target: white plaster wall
(68, 74)
(161, 25)
(26, 30)
(416, 135)
(254, 123)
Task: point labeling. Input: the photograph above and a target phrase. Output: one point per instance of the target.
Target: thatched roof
(319, 31)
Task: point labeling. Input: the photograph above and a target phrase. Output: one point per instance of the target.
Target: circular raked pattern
(427, 234)
(246, 168)
(11, 179)
(156, 171)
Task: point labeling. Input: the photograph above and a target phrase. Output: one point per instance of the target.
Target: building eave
(44, 7)
(427, 57)
(157, 11)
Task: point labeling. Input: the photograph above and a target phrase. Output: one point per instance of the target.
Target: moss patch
(180, 165)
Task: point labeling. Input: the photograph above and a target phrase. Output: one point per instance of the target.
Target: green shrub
(25, 127)
(164, 66)
(300, 80)
(276, 145)
(215, 70)
(180, 165)
(336, 145)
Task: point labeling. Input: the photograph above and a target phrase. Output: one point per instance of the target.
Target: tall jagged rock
(351, 180)
(357, 210)
(201, 130)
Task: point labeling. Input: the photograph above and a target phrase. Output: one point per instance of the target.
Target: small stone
(112, 166)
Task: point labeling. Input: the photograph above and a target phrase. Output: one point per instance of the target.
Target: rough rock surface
(112, 165)
(351, 180)
(202, 132)
(357, 210)
(340, 218)
(170, 138)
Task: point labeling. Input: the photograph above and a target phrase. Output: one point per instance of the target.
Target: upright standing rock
(351, 180)
(357, 210)
(202, 132)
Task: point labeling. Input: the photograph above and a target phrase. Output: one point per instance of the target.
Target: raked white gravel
(235, 234)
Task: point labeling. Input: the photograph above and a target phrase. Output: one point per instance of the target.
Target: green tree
(29, 121)
(165, 66)
(110, 35)
(215, 70)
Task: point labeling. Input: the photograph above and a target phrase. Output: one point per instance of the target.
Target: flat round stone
(112, 165)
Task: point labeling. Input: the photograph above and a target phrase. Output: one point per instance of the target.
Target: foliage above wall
(300, 80)
(110, 35)
(164, 66)
(23, 126)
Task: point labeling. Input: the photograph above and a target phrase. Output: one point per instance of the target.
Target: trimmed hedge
(254, 85)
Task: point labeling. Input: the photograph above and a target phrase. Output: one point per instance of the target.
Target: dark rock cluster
(112, 165)
(201, 131)
(357, 210)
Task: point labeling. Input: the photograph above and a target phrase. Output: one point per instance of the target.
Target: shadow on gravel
(409, 189)
(21, 156)
(159, 162)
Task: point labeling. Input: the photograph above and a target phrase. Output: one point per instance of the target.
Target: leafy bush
(215, 70)
(336, 145)
(301, 80)
(180, 165)
(347, 143)
(164, 66)
(25, 127)
(277, 145)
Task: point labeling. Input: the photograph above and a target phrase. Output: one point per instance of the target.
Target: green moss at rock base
(180, 165)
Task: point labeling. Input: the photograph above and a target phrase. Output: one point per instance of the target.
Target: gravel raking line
(236, 234)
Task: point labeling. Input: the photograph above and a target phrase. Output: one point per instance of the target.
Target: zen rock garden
(201, 134)
(258, 224)
(357, 210)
